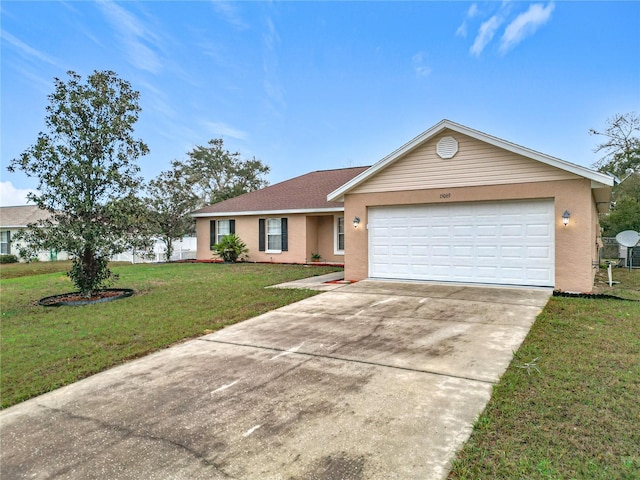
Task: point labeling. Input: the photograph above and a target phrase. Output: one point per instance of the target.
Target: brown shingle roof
(20, 216)
(306, 192)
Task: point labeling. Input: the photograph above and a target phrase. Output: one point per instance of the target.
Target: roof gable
(432, 135)
(306, 193)
(475, 163)
(21, 216)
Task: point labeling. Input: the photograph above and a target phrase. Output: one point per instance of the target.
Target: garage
(505, 242)
(458, 205)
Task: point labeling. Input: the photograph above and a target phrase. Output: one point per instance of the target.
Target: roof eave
(248, 213)
(601, 196)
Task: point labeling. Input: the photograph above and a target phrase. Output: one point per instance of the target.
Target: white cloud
(11, 196)
(42, 84)
(133, 34)
(27, 51)
(525, 25)
(271, 37)
(273, 88)
(462, 30)
(485, 34)
(229, 13)
(472, 12)
(220, 129)
(418, 62)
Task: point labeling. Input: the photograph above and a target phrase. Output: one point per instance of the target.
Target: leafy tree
(625, 212)
(622, 159)
(217, 174)
(169, 202)
(87, 175)
(622, 145)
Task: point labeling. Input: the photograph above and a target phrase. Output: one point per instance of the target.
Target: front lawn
(578, 417)
(43, 348)
(15, 270)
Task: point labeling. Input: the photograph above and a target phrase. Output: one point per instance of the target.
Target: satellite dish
(628, 238)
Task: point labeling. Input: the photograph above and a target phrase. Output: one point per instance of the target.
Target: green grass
(43, 348)
(579, 416)
(626, 286)
(16, 270)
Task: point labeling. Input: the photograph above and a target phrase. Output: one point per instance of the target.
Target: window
(5, 242)
(273, 235)
(220, 228)
(339, 236)
(224, 228)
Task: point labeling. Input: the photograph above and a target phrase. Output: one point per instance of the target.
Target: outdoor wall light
(565, 217)
(356, 222)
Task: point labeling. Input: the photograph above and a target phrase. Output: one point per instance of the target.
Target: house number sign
(445, 195)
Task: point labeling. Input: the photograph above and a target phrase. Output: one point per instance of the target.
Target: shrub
(8, 259)
(231, 248)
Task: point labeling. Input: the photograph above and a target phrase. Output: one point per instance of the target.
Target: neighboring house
(14, 219)
(282, 223)
(453, 205)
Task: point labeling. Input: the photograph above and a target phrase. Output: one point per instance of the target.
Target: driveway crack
(129, 433)
(343, 359)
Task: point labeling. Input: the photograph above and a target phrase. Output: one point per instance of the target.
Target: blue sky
(317, 85)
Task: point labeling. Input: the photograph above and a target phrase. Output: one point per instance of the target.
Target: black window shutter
(232, 226)
(261, 234)
(8, 242)
(212, 234)
(285, 235)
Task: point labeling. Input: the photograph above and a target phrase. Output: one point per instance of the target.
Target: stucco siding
(476, 163)
(326, 245)
(312, 236)
(596, 237)
(305, 236)
(573, 243)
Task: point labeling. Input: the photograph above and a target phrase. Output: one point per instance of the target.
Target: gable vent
(447, 147)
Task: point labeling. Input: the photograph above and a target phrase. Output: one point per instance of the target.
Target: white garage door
(510, 243)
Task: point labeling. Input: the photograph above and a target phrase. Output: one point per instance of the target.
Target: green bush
(231, 248)
(8, 259)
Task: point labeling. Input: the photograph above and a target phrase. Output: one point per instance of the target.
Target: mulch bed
(310, 264)
(75, 298)
(595, 296)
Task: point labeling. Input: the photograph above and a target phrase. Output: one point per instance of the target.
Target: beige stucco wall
(312, 236)
(307, 235)
(476, 163)
(574, 243)
(596, 235)
(326, 243)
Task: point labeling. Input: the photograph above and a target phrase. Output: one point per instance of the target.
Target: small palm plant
(231, 248)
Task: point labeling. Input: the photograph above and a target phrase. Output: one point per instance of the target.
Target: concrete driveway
(374, 380)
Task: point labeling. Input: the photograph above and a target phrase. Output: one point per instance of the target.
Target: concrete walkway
(319, 282)
(373, 380)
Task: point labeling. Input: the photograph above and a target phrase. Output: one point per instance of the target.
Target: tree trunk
(90, 271)
(169, 243)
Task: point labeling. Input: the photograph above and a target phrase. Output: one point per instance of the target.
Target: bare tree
(621, 147)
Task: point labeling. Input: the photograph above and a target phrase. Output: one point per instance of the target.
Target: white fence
(184, 249)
